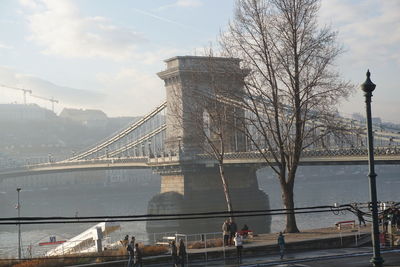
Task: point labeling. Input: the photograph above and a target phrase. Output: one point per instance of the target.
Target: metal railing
(119, 135)
(334, 152)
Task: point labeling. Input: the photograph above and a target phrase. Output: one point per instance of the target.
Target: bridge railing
(144, 161)
(355, 151)
(90, 161)
(333, 152)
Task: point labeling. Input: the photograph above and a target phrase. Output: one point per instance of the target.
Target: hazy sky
(105, 54)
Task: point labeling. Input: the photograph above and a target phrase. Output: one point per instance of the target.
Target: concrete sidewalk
(297, 258)
(330, 237)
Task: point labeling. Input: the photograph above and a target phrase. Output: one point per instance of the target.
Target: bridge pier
(198, 188)
(191, 186)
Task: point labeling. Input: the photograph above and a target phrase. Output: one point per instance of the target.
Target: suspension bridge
(156, 142)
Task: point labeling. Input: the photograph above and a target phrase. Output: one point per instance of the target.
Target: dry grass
(154, 250)
(210, 244)
(51, 262)
(107, 255)
(7, 262)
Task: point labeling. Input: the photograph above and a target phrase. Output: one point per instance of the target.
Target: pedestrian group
(178, 254)
(135, 254)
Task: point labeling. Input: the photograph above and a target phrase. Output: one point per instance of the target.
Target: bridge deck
(311, 157)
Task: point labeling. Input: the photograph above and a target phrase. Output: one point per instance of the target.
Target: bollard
(205, 244)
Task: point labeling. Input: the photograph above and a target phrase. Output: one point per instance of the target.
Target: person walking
(360, 216)
(232, 231)
(182, 252)
(225, 232)
(138, 256)
(131, 251)
(281, 244)
(239, 246)
(386, 218)
(174, 254)
(397, 219)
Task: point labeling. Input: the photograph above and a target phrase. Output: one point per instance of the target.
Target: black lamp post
(368, 86)
(19, 225)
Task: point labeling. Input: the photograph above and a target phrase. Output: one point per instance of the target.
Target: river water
(98, 194)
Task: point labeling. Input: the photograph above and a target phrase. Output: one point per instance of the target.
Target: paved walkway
(309, 258)
(313, 234)
(305, 235)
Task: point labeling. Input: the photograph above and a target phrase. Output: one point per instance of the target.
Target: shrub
(107, 255)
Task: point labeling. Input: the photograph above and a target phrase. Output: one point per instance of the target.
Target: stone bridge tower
(192, 84)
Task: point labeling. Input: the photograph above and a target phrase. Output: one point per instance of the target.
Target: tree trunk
(225, 187)
(287, 197)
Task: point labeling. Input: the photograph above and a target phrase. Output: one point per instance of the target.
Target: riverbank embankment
(266, 245)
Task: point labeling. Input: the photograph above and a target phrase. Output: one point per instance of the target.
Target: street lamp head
(368, 86)
(18, 189)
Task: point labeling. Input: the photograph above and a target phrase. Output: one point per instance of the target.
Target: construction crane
(24, 91)
(52, 100)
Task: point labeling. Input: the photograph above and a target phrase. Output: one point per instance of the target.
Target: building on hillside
(88, 117)
(22, 112)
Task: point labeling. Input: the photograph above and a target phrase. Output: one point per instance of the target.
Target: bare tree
(291, 89)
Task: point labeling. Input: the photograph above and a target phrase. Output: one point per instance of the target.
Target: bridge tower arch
(192, 83)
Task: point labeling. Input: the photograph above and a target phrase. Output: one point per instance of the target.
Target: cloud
(369, 29)
(163, 19)
(188, 3)
(183, 3)
(58, 27)
(60, 30)
(5, 46)
(29, 4)
(159, 17)
(8, 21)
(157, 56)
(137, 93)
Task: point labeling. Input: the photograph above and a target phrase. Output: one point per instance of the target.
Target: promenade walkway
(262, 249)
(326, 258)
(330, 237)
